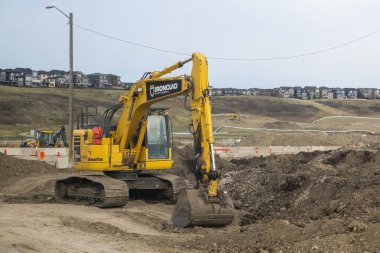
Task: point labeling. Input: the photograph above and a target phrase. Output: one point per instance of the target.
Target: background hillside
(22, 109)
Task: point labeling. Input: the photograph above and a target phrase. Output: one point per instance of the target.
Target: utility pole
(71, 82)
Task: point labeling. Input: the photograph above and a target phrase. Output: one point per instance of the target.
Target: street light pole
(71, 82)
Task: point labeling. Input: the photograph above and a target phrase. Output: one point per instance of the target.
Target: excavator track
(96, 190)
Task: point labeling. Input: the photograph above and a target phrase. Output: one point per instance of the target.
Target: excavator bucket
(193, 210)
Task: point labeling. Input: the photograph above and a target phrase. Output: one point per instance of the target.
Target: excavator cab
(45, 137)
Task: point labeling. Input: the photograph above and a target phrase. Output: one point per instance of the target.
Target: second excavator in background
(131, 158)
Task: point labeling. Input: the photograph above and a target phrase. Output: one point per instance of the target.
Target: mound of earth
(308, 186)
(12, 168)
(27, 180)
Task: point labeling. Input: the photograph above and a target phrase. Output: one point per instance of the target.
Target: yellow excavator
(133, 156)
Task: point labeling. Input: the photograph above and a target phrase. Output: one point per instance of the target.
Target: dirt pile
(12, 168)
(27, 180)
(308, 186)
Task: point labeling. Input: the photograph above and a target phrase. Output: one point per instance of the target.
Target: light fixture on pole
(71, 79)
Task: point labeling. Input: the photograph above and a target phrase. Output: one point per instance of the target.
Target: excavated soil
(309, 202)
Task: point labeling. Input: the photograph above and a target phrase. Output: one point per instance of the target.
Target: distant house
(51, 82)
(61, 81)
(324, 92)
(298, 92)
(57, 81)
(42, 76)
(217, 92)
(114, 80)
(351, 93)
(24, 71)
(36, 82)
(230, 92)
(3, 76)
(27, 80)
(338, 93)
(81, 80)
(18, 80)
(12, 76)
(376, 93)
(317, 93)
(366, 93)
(286, 92)
(245, 92)
(55, 73)
(304, 95)
(255, 92)
(99, 80)
(312, 92)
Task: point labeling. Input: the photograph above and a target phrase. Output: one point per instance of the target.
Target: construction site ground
(309, 202)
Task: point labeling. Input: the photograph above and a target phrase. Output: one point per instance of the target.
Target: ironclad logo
(163, 88)
(151, 90)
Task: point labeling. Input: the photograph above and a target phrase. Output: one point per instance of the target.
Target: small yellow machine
(133, 155)
(46, 138)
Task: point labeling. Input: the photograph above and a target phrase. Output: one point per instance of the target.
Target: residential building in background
(99, 80)
(324, 92)
(338, 93)
(366, 93)
(60, 79)
(81, 80)
(3, 76)
(57, 78)
(351, 93)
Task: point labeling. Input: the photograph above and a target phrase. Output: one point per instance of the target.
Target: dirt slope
(24, 108)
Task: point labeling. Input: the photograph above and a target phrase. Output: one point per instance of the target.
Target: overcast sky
(31, 36)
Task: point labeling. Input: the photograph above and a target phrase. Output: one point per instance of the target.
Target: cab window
(157, 137)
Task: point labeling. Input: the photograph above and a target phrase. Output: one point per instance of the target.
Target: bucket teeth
(193, 209)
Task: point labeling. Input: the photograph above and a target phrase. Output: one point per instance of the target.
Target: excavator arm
(154, 89)
(206, 206)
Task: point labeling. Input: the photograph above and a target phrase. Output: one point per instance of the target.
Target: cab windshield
(157, 137)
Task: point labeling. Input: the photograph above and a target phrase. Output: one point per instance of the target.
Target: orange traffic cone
(42, 155)
(36, 153)
(5, 151)
(257, 151)
(58, 154)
